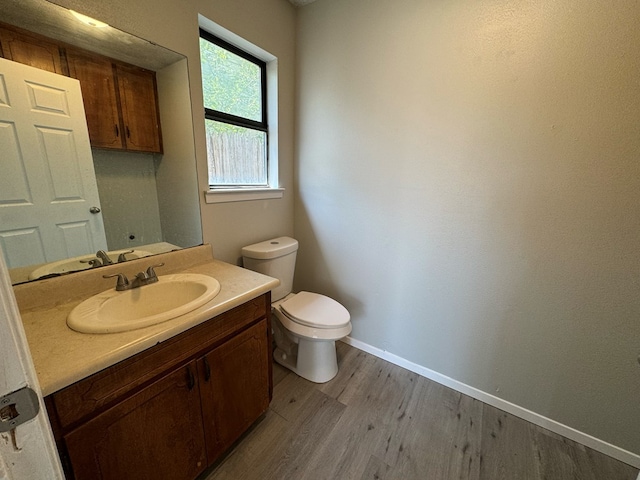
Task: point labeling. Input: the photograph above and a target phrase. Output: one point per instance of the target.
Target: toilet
(305, 325)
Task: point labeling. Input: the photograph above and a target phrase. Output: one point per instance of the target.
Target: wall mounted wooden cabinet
(139, 107)
(120, 100)
(33, 50)
(97, 82)
(172, 410)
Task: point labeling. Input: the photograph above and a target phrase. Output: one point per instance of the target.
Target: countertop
(62, 356)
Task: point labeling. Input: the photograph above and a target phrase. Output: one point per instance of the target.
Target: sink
(75, 264)
(170, 297)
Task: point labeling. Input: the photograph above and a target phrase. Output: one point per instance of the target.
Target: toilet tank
(276, 258)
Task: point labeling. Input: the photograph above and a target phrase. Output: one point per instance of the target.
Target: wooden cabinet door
(156, 433)
(234, 386)
(138, 101)
(31, 50)
(97, 82)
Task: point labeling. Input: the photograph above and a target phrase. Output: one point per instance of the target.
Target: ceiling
(56, 22)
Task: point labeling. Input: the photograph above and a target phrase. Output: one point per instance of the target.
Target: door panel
(24, 246)
(14, 186)
(154, 434)
(234, 385)
(47, 179)
(36, 456)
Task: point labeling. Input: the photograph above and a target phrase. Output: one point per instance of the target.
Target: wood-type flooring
(378, 421)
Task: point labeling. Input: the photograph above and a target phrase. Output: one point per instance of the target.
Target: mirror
(149, 202)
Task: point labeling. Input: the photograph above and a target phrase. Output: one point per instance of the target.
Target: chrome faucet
(102, 255)
(141, 278)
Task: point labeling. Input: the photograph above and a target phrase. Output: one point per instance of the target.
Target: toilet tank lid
(274, 248)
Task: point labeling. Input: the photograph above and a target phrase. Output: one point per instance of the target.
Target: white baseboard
(533, 417)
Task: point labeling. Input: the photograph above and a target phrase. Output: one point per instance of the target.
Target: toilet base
(313, 360)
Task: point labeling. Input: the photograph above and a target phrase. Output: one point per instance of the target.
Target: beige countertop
(62, 356)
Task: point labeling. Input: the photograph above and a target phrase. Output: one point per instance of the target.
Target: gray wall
(128, 197)
(468, 185)
(178, 199)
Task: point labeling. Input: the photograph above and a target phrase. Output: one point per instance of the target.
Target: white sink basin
(75, 264)
(170, 297)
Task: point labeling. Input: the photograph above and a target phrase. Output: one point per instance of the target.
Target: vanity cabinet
(31, 49)
(120, 102)
(172, 410)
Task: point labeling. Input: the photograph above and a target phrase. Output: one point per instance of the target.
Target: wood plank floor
(378, 421)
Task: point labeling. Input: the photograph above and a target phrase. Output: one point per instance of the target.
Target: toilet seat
(315, 311)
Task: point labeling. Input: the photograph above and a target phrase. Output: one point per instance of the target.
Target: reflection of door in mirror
(47, 180)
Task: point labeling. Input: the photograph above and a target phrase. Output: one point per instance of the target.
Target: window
(234, 86)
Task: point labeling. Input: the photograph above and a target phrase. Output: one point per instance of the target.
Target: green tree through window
(234, 90)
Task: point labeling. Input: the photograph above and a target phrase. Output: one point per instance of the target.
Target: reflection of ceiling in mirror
(56, 22)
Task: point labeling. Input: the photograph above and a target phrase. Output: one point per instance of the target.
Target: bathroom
(486, 229)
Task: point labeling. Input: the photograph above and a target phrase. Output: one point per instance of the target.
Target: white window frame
(272, 190)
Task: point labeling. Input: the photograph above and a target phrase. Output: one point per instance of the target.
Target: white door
(30, 452)
(47, 181)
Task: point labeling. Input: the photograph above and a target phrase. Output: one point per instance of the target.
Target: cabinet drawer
(102, 389)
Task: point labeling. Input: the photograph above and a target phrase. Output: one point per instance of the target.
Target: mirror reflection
(138, 153)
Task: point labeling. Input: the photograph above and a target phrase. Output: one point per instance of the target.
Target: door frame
(36, 455)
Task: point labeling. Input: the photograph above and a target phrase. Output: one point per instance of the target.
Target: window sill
(224, 195)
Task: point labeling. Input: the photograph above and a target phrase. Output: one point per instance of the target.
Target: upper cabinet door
(138, 101)
(31, 50)
(97, 82)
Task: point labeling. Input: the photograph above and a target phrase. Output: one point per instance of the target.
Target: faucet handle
(151, 273)
(123, 256)
(122, 283)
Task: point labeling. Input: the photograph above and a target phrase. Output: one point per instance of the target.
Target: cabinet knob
(94, 210)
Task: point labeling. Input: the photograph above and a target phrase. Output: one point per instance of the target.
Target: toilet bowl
(306, 325)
